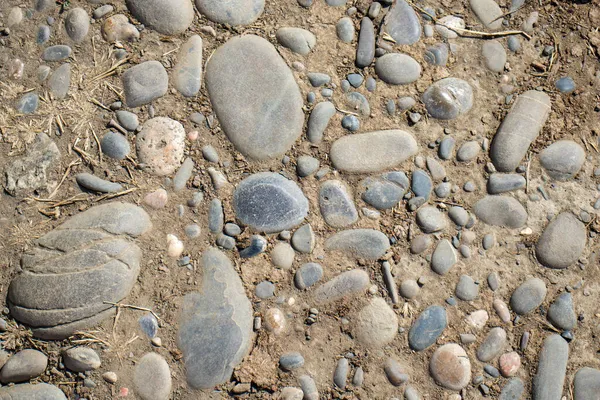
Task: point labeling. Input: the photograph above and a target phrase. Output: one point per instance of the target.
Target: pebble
(509, 364)
(370, 84)
(210, 154)
(77, 24)
(149, 325)
(28, 103)
(102, 11)
(561, 313)
(397, 69)
(81, 359)
(563, 159)
(502, 183)
(157, 158)
(359, 377)
(225, 242)
(450, 367)
(152, 378)
(357, 102)
(468, 151)
(565, 85)
(586, 383)
(409, 289)
(443, 257)
(297, 40)
(308, 275)
(345, 284)
(340, 374)
(426, 329)
(430, 219)
(410, 393)
(365, 49)
(96, 184)
(452, 22)
(58, 52)
(291, 393)
(492, 345)
(307, 166)
(406, 103)
(489, 13)
(157, 199)
(232, 229)
(28, 391)
(60, 81)
(478, 319)
(466, 288)
(369, 244)
(394, 372)
(237, 12)
(520, 127)
(376, 324)
(437, 54)
(494, 55)
(528, 296)
(291, 361)
(351, 123)
(385, 192)
(552, 367)
(501, 210)
(355, 80)
(110, 377)
(458, 215)
(168, 17)
(282, 255)
(244, 59)
(303, 240)
(512, 390)
(23, 365)
(43, 34)
(421, 184)
(187, 73)
(144, 83)
(319, 120)
(420, 243)
(118, 29)
(402, 23)
(562, 242)
(502, 310)
(448, 98)
(345, 30)
(215, 216)
(43, 72)
(264, 290)
(318, 79)
(336, 204)
(309, 388)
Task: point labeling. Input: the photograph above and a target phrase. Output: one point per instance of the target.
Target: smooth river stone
(562, 160)
(345, 284)
(502, 183)
(430, 219)
(552, 367)
(77, 24)
(56, 53)
(263, 117)
(168, 17)
(493, 345)
(448, 98)
(297, 40)
(365, 49)
(232, 12)
(376, 324)
(359, 243)
(488, 12)
(562, 242)
(528, 296)
(503, 211)
(71, 271)
(520, 127)
(586, 384)
(60, 81)
(268, 202)
(450, 367)
(160, 145)
(494, 55)
(402, 23)
(373, 151)
(318, 121)
(561, 312)
(428, 326)
(336, 204)
(152, 378)
(397, 69)
(215, 330)
(144, 83)
(513, 390)
(187, 74)
(443, 257)
(28, 391)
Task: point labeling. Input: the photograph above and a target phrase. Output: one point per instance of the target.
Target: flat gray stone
(552, 367)
(561, 312)
(345, 30)
(77, 24)
(528, 296)
(520, 127)
(376, 324)
(502, 183)
(184, 173)
(234, 12)
(307, 275)
(586, 384)
(397, 69)
(468, 151)
(402, 23)
(160, 145)
(303, 240)
(283, 255)
(448, 98)
(430, 219)
(488, 12)
(81, 359)
(336, 204)
(428, 326)
(492, 345)
(215, 332)
(268, 202)
(187, 73)
(297, 40)
(373, 151)
(513, 390)
(394, 372)
(128, 120)
(359, 243)
(291, 361)
(152, 378)
(58, 52)
(23, 365)
(263, 117)
(563, 159)
(144, 83)
(500, 210)
(72, 270)
(28, 391)
(382, 193)
(96, 184)
(115, 145)
(494, 55)
(562, 242)
(59, 81)
(358, 102)
(365, 49)
(421, 184)
(340, 375)
(216, 217)
(306, 166)
(443, 257)
(319, 120)
(345, 284)
(466, 288)
(168, 17)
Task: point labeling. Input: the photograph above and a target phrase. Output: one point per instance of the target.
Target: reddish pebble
(157, 199)
(124, 392)
(509, 364)
(193, 136)
(502, 310)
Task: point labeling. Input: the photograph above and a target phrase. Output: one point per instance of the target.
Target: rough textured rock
(27, 391)
(562, 242)
(562, 160)
(144, 83)
(268, 202)
(263, 117)
(216, 324)
(501, 211)
(373, 151)
(73, 269)
(493, 345)
(168, 17)
(235, 12)
(376, 324)
(152, 378)
(160, 145)
(345, 284)
(187, 73)
(117, 28)
(361, 243)
(552, 367)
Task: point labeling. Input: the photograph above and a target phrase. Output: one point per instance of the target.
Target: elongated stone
(552, 367)
(359, 243)
(345, 284)
(365, 49)
(96, 184)
(297, 40)
(528, 296)
(501, 183)
(319, 120)
(28, 391)
(187, 74)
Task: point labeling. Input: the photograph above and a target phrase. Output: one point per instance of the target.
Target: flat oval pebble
(551, 370)
(77, 24)
(561, 313)
(283, 255)
(168, 17)
(466, 288)
(23, 365)
(290, 361)
(430, 219)
(586, 384)
(402, 23)
(152, 378)
(336, 204)
(494, 55)
(502, 183)
(59, 81)
(426, 329)
(563, 159)
(160, 145)
(319, 120)
(263, 117)
(397, 69)
(519, 128)
(345, 284)
(58, 52)
(307, 275)
(28, 103)
(144, 83)
(488, 12)
(562, 242)
(234, 12)
(450, 367)
(187, 73)
(345, 30)
(365, 49)
(115, 145)
(297, 40)
(443, 257)
(394, 372)
(28, 391)
(499, 210)
(81, 359)
(528, 296)
(448, 98)
(492, 345)
(373, 151)
(449, 26)
(376, 324)
(360, 243)
(268, 202)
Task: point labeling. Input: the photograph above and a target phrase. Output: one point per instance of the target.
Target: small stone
(394, 372)
(488, 12)
(152, 378)
(478, 319)
(562, 242)
(340, 374)
(493, 344)
(345, 284)
(118, 29)
(494, 55)
(160, 145)
(512, 390)
(514, 44)
(28, 391)
(409, 289)
(291, 361)
(308, 275)
(81, 359)
(303, 240)
(282, 255)
(420, 243)
(359, 243)
(351, 123)
(365, 50)
(149, 325)
(275, 321)
(77, 24)
(586, 383)
(60, 81)
(210, 154)
(157, 199)
(528, 296)
(28, 103)
(359, 377)
(448, 98)
(168, 17)
(187, 73)
(309, 388)
(501, 183)
(297, 40)
(563, 159)
(115, 145)
(430, 219)
(450, 367)
(565, 85)
(468, 151)
(144, 83)
(443, 258)
(502, 310)
(561, 313)
(183, 174)
(23, 365)
(56, 53)
(428, 326)
(466, 288)
(291, 393)
(336, 204)
(318, 121)
(402, 23)
(265, 290)
(376, 324)
(96, 184)
(509, 364)
(501, 211)
(345, 30)
(458, 215)
(215, 216)
(102, 11)
(306, 166)
(437, 54)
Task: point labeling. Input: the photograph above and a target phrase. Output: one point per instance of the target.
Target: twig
(96, 102)
(67, 171)
(113, 195)
(97, 142)
(132, 307)
(527, 176)
(347, 112)
(506, 14)
(109, 71)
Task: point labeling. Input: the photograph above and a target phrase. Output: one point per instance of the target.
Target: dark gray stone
(258, 244)
(96, 184)
(561, 313)
(402, 23)
(359, 243)
(149, 325)
(428, 326)
(562, 242)
(528, 296)
(552, 367)
(500, 210)
(307, 275)
(421, 184)
(365, 50)
(168, 17)
(336, 204)
(144, 83)
(382, 193)
(115, 145)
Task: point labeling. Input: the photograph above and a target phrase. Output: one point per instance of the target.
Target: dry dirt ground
(572, 28)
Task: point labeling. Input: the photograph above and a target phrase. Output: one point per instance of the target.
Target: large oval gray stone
(519, 128)
(232, 12)
(428, 326)
(562, 160)
(587, 384)
(28, 391)
(528, 296)
(71, 271)
(255, 97)
(359, 243)
(345, 284)
(397, 69)
(402, 24)
(562, 242)
(144, 83)
(552, 367)
(501, 211)
(373, 151)
(168, 17)
(268, 202)
(187, 74)
(215, 331)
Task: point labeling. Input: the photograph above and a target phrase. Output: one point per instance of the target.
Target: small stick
(97, 142)
(96, 102)
(347, 112)
(113, 195)
(506, 14)
(132, 307)
(67, 171)
(527, 176)
(114, 124)
(110, 71)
